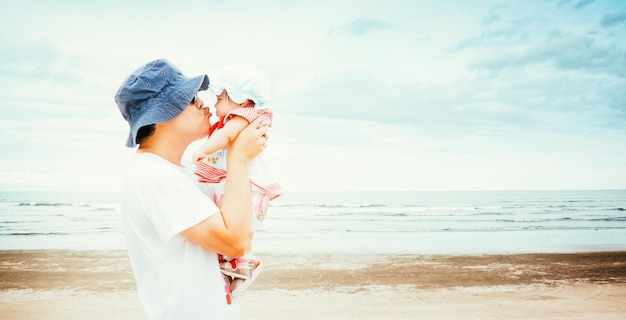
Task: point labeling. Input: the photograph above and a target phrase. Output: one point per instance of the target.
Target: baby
(242, 95)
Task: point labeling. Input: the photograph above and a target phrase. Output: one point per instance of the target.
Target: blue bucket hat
(157, 92)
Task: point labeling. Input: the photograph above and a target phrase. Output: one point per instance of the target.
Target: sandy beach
(99, 285)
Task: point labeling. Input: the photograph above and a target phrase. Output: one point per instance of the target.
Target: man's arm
(228, 233)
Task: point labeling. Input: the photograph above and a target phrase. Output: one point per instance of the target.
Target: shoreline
(68, 284)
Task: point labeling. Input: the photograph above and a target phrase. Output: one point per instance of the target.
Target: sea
(410, 222)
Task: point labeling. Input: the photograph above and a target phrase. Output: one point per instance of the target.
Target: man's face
(194, 122)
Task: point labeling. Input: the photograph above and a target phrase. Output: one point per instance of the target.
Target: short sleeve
(177, 205)
(250, 113)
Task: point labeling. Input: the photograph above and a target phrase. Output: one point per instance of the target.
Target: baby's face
(224, 105)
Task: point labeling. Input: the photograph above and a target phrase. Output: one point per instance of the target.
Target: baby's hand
(198, 156)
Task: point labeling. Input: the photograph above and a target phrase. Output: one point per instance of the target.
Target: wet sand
(100, 285)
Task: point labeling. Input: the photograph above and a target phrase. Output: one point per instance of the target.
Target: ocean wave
(450, 230)
(51, 204)
(104, 209)
(38, 234)
(308, 205)
(489, 214)
(609, 219)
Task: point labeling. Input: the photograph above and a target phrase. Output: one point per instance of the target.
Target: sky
(367, 95)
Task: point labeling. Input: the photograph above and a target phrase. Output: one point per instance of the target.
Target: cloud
(492, 19)
(27, 60)
(362, 26)
(582, 4)
(503, 104)
(613, 19)
(563, 2)
(535, 40)
(508, 33)
(563, 51)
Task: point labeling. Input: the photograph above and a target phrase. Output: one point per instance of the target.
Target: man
(173, 230)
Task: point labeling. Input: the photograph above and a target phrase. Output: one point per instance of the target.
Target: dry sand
(99, 285)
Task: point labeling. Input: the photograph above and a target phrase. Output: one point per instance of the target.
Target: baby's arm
(221, 138)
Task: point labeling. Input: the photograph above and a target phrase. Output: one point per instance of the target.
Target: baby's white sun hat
(241, 81)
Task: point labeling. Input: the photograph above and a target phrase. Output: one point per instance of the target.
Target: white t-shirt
(176, 279)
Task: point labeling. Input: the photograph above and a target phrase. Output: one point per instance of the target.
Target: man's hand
(250, 141)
